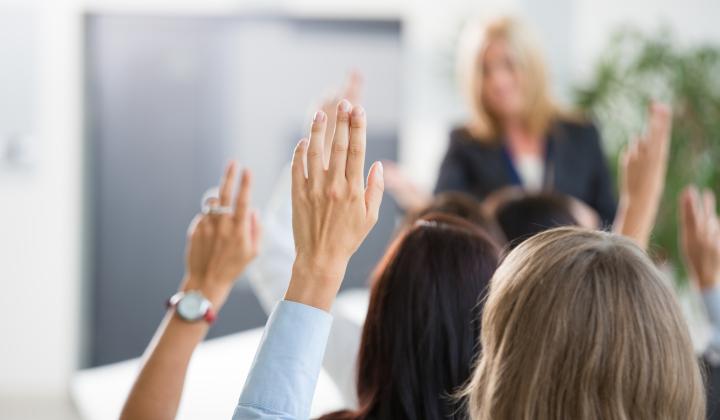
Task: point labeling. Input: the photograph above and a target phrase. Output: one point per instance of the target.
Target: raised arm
(221, 242)
(700, 241)
(333, 211)
(642, 180)
(270, 274)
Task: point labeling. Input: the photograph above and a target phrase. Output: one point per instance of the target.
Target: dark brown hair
(462, 205)
(421, 332)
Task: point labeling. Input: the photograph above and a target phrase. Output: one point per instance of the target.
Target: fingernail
(380, 168)
(345, 105)
(358, 111)
(319, 116)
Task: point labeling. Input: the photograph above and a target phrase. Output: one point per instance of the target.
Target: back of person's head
(529, 214)
(579, 324)
(421, 333)
(461, 205)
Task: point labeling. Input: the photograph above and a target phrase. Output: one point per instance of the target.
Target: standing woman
(517, 135)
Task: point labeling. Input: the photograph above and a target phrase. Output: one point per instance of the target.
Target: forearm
(157, 391)
(315, 283)
(158, 388)
(635, 219)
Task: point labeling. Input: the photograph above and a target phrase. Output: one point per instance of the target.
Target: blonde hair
(540, 107)
(578, 324)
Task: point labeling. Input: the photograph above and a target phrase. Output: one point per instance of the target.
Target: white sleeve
(270, 273)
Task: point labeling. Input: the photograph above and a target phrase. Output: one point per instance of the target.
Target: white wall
(41, 219)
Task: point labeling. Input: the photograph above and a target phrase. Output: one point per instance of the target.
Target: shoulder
(578, 127)
(578, 133)
(461, 138)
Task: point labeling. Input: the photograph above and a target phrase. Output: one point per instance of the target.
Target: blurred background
(115, 117)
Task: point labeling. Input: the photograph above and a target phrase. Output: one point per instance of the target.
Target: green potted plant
(635, 68)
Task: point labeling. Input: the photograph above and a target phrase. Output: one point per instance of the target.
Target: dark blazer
(711, 372)
(575, 166)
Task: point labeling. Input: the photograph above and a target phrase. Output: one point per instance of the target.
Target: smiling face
(501, 85)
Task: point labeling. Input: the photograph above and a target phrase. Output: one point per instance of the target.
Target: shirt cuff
(711, 299)
(288, 362)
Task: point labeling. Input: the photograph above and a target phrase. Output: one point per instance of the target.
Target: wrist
(215, 292)
(316, 282)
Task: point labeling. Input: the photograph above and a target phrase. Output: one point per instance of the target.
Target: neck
(520, 140)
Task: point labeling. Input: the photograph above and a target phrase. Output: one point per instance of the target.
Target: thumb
(374, 191)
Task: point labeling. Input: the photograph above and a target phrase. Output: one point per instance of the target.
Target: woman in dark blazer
(517, 136)
(574, 164)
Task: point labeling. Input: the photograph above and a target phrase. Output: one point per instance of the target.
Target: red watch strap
(210, 316)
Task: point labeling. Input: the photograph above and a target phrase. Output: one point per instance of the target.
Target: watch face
(192, 306)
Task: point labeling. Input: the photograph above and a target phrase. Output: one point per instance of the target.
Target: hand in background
(352, 92)
(408, 195)
(642, 176)
(221, 244)
(333, 210)
(700, 236)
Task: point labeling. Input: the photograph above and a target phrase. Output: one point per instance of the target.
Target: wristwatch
(192, 306)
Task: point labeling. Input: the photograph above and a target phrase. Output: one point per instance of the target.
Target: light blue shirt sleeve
(711, 299)
(282, 380)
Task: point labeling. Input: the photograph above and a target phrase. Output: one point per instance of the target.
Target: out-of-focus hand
(408, 195)
(644, 162)
(220, 245)
(352, 92)
(700, 236)
(642, 177)
(332, 209)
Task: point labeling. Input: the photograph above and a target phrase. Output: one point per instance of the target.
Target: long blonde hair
(578, 324)
(540, 107)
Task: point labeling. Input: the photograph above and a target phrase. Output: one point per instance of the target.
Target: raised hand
(642, 177)
(222, 240)
(332, 209)
(700, 236)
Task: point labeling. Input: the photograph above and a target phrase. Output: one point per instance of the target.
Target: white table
(215, 379)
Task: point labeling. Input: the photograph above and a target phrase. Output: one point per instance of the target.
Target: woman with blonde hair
(578, 324)
(517, 135)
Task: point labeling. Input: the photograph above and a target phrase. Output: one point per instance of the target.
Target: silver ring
(212, 194)
(217, 210)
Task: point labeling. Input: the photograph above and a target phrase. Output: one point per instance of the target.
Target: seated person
(521, 214)
(530, 214)
(461, 205)
(700, 243)
(270, 274)
(419, 340)
(612, 340)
